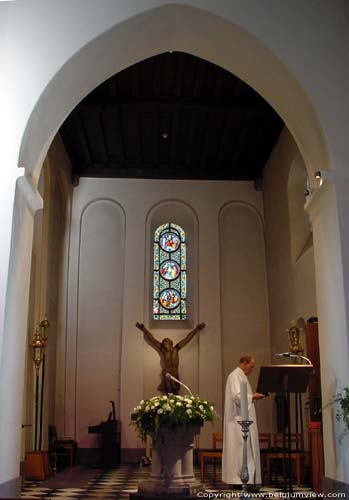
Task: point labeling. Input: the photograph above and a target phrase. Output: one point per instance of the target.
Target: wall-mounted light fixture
(37, 347)
(323, 175)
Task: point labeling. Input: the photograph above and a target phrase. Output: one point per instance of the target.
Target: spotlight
(318, 175)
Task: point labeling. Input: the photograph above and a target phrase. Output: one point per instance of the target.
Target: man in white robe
(232, 435)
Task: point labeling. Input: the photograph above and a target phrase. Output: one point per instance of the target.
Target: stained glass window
(170, 273)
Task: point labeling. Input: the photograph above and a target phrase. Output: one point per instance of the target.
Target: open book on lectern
(284, 378)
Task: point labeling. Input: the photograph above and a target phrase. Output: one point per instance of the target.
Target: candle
(243, 400)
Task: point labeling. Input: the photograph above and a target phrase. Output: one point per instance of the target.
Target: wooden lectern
(284, 380)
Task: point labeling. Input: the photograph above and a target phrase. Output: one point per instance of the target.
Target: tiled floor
(81, 483)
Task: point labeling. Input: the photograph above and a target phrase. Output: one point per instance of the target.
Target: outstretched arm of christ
(155, 343)
(190, 335)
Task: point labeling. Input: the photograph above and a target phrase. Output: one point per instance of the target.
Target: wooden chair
(296, 455)
(61, 449)
(264, 447)
(217, 437)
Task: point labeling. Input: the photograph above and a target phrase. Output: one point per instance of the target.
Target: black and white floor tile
(113, 484)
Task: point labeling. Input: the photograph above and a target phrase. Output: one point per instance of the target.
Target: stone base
(159, 488)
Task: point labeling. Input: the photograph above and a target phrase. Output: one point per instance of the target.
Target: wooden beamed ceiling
(173, 116)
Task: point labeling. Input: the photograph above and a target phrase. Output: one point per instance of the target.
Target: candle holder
(245, 429)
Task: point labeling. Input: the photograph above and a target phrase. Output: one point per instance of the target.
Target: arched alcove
(180, 213)
(244, 293)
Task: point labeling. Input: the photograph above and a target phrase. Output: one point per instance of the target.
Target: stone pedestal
(172, 464)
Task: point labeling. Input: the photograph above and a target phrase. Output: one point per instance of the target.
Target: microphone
(168, 375)
(290, 355)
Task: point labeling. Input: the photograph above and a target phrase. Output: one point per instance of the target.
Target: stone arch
(186, 29)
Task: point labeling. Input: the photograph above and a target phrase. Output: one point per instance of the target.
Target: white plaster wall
(100, 300)
(292, 292)
(244, 295)
(290, 254)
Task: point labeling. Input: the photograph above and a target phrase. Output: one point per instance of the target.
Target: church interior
(172, 137)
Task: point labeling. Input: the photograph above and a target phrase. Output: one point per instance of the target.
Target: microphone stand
(169, 376)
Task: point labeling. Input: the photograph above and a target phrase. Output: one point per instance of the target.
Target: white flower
(157, 403)
(179, 403)
(160, 410)
(146, 408)
(211, 408)
(189, 411)
(134, 409)
(141, 402)
(201, 407)
(138, 407)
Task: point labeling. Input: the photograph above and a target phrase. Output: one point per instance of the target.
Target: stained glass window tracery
(170, 273)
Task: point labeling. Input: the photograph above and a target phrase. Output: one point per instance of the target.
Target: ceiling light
(164, 135)
(318, 175)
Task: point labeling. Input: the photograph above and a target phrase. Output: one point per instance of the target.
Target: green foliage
(343, 411)
(172, 412)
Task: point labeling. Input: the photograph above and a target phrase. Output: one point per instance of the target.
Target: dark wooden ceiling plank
(180, 104)
(130, 134)
(174, 138)
(199, 80)
(156, 140)
(203, 157)
(226, 138)
(192, 133)
(80, 137)
(166, 127)
(113, 135)
(147, 136)
(156, 77)
(237, 160)
(256, 145)
(172, 93)
(94, 134)
(179, 76)
(217, 92)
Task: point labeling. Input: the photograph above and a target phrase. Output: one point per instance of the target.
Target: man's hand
(201, 326)
(140, 326)
(258, 395)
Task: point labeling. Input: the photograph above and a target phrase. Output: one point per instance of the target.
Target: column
(329, 213)
(14, 341)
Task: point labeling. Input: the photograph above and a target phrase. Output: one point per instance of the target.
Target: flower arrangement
(172, 412)
(343, 411)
